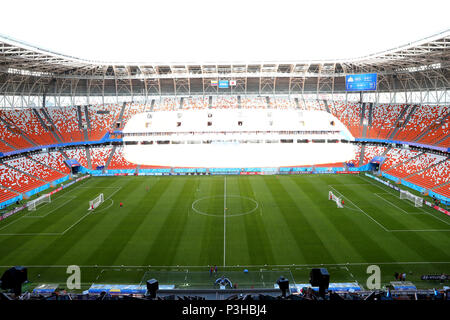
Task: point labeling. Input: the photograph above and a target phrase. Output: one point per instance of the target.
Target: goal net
(42, 199)
(333, 197)
(418, 201)
(96, 202)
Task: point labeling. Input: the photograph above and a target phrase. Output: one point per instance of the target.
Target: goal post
(333, 197)
(96, 202)
(46, 198)
(418, 201)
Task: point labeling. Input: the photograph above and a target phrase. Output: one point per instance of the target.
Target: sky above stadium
(221, 31)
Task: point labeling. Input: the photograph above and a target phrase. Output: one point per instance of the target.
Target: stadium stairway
(23, 172)
(363, 125)
(386, 151)
(80, 123)
(7, 144)
(111, 154)
(442, 140)
(152, 105)
(396, 127)
(64, 154)
(88, 158)
(88, 121)
(84, 119)
(325, 103)
(405, 123)
(49, 119)
(46, 126)
(120, 118)
(361, 155)
(180, 107)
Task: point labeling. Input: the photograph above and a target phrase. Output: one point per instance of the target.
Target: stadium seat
(415, 165)
(350, 116)
(396, 156)
(102, 119)
(14, 139)
(432, 177)
(17, 181)
(383, 121)
(99, 156)
(27, 121)
(6, 194)
(78, 154)
(371, 152)
(422, 118)
(66, 122)
(35, 169)
(54, 160)
(119, 162)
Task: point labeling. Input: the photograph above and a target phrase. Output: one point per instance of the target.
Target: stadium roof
(29, 70)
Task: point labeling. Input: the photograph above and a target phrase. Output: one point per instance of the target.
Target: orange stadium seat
(66, 122)
(99, 156)
(415, 165)
(102, 119)
(5, 194)
(118, 161)
(54, 160)
(78, 154)
(35, 169)
(17, 181)
(432, 177)
(14, 139)
(384, 118)
(421, 120)
(349, 115)
(396, 156)
(30, 125)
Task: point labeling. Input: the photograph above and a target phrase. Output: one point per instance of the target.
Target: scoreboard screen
(361, 82)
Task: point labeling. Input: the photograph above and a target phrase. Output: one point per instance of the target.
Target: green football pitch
(174, 227)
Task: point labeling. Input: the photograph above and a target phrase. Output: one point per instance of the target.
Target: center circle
(230, 206)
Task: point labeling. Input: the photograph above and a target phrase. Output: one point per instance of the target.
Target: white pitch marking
(224, 218)
(432, 215)
(384, 228)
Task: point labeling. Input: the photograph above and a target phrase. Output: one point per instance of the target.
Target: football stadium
(302, 179)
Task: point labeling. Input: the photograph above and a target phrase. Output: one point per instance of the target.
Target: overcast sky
(221, 31)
